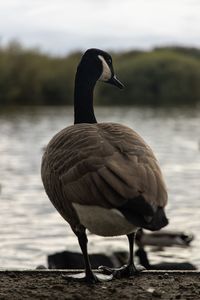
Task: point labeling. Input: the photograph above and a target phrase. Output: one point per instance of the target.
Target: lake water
(30, 227)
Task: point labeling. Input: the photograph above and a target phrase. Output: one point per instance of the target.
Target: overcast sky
(60, 26)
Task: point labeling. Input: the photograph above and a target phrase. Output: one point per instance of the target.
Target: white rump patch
(103, 221)
(106, 74)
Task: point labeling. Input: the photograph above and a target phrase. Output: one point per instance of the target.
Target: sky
(61, 26)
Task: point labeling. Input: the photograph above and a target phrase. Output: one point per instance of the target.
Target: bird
(102, 177)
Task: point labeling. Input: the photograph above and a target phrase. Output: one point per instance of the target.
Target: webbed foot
(123, 272)
(90, 279)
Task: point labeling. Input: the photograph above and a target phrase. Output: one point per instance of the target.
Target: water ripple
(30, 228)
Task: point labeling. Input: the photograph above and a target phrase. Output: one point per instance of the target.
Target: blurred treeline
(163, 76)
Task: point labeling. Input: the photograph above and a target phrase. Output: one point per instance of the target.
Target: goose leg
(126, 270)
(88, 276)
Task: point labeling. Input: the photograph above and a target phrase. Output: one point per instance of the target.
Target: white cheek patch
(106, 74)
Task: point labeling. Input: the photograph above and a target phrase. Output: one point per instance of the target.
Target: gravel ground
(18, 285)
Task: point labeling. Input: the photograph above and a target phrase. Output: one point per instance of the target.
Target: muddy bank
(42, 284)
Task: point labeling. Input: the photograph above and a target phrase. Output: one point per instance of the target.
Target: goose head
(97, 65)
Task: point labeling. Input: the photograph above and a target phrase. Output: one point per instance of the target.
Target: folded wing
(107, 165)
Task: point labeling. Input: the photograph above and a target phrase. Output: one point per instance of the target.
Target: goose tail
(158, 221)
(140, 213)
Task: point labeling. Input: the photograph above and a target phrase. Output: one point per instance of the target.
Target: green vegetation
(163, 76)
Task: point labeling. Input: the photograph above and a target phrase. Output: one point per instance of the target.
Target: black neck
(83, 100)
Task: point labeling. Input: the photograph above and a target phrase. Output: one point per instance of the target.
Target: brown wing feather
(102, 164)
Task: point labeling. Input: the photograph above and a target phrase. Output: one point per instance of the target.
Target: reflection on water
(30, 228)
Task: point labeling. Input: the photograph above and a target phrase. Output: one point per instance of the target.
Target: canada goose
(164, 238)
(102, 176)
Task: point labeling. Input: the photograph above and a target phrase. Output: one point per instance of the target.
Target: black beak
(114, 81)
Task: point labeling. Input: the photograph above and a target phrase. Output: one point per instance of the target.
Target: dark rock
(72, 260)
(40, 267)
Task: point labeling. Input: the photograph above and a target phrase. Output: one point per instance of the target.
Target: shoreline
(49, 284)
